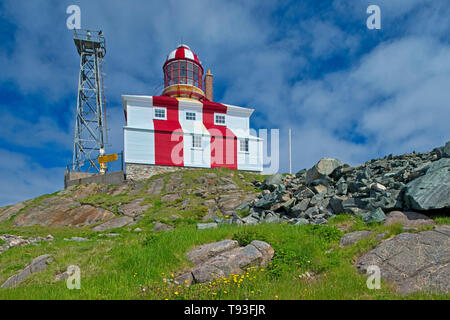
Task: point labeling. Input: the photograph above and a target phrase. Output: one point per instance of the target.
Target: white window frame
(220, 115)
(195, 144)
(190, 115)
(246, 143)
(159, 109)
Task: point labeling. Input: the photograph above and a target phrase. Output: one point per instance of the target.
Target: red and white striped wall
(160, 131)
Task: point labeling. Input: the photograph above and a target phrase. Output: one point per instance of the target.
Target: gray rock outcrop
(432, 190)
(220, 259)
(413, 261)
(38, 264)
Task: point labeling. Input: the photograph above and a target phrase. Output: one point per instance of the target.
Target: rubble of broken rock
(410, 182)
(19, 241)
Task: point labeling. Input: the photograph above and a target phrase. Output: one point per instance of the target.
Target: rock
(10, 211)
(288, 204)
(324, 167)
(408, 219)
(228, 202)
(299, 207)
(85, 190)
(336, 204)
(272, 181)
(311, 212)
(212, 212)
(111, 235)
(120, 189)
(113, 224)
(38, 264)
(155, 186)
(301, 221)
(202, 226)
(137, 230)
(413, 261)
(62, 276)
(376, 215)
(170, 197)
(60, 211)
(351, 238)
(250, 220)
(265, 202)
(342, 188)
(133, 208)
(243, 206)
(235, 261)
(378, 187)
(319, 189)
(432, 190)
(159, 226)
(446, 150)
(78, 239)
(206, 251)
(184, 279)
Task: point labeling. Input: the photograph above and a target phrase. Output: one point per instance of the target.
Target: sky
(313, 66)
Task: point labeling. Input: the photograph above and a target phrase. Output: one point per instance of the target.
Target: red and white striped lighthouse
(184, 127)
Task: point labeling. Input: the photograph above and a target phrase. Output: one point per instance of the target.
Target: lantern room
(183, 74)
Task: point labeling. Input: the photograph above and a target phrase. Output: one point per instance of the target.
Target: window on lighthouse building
(219, 119)
(160, 113)
(190, 115)
(243, 145)
(196, 141)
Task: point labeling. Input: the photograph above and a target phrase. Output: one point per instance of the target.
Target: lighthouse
(184, 127)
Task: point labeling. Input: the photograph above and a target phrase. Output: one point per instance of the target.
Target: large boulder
(220, 259)
(234, 261)
(322, 168)
(432, 190)
(209, 250)
(413, 261)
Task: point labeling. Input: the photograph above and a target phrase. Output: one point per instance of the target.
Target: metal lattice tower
(90, 123)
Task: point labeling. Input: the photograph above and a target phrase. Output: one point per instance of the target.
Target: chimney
(209, 85)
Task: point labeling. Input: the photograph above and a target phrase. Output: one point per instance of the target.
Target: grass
(134, 265)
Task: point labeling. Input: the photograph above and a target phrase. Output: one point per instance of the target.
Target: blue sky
(313, 66)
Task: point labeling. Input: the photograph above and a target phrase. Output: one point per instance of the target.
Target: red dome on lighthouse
(183, 74)
(183, 52)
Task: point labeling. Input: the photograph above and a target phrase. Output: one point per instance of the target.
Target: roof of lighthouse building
(183, 52)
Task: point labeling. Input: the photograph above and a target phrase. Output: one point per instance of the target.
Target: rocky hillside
(409, 182)
(190, 194)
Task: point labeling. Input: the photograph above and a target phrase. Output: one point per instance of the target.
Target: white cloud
(23, 178)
